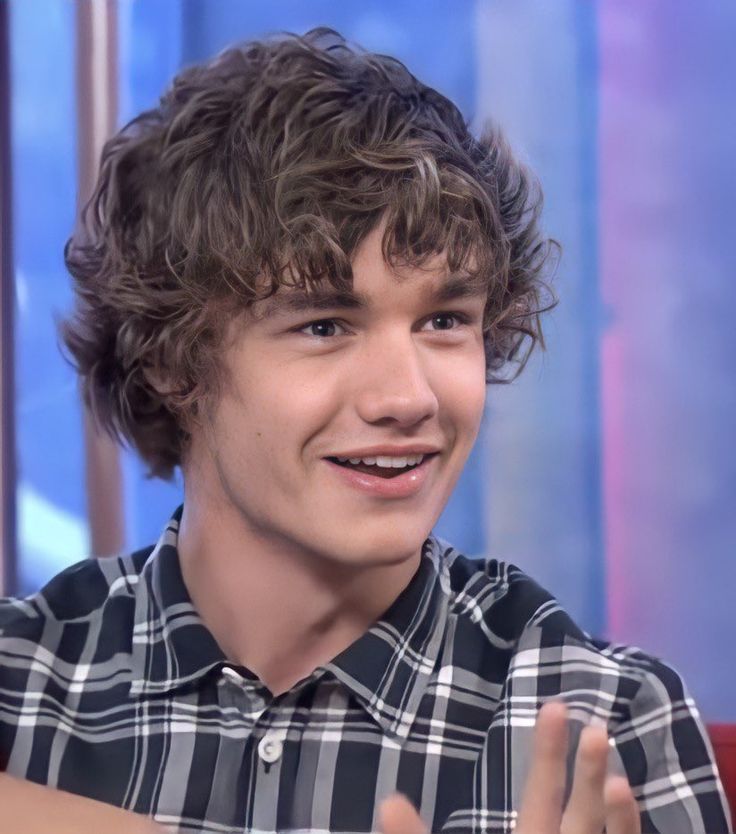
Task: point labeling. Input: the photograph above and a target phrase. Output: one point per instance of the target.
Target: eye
(322, 329)
(445, 321)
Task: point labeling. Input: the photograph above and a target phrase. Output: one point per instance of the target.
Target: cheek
(471, 415)
(282, 412)
(463, 394)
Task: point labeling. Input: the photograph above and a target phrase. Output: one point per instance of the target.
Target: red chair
(723, 737)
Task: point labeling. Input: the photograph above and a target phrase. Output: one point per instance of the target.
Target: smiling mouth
(380, 471)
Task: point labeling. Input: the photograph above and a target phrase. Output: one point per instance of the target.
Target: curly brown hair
(265, 168)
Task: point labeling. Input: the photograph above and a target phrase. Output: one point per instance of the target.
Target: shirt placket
(263, 752)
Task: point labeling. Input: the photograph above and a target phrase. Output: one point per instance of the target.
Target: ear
(159, 380)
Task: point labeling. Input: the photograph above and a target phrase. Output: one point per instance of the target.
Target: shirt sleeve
(668, 759)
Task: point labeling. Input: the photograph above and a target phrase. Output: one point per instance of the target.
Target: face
(345, 421)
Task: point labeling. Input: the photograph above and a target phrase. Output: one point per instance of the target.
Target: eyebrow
(301, 301)
(453, 288)
(456, 287)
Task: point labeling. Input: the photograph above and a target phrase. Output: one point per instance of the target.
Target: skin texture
(262, 503)
(596, 800)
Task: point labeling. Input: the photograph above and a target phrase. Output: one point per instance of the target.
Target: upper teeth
(387, 462)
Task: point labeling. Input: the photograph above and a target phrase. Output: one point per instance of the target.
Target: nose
(394, 387)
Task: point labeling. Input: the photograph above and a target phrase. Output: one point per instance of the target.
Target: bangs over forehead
(432, 214)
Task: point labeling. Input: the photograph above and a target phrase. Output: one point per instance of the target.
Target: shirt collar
(171, 645)
(387, 669)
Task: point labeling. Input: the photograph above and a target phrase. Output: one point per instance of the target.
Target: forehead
(378, 283)
(362, 295)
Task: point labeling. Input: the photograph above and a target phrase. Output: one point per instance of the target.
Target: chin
(383, 546)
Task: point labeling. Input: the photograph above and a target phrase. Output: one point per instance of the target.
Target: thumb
(396, 815)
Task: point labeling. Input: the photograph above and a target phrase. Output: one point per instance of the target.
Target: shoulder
(658, 740)
(500, 598)
(548, 652)
(78, 596)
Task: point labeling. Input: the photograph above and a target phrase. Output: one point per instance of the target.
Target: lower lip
(405, 485)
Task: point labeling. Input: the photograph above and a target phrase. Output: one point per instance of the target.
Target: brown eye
(322, 329)
(444, 321)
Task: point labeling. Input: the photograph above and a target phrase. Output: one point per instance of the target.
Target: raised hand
(597, 800)
(396, 815)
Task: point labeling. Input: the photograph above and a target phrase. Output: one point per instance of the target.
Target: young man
(295, 278)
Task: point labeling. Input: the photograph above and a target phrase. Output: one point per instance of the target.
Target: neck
(274, 607)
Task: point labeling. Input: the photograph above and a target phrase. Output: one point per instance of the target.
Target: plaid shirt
(112, 687)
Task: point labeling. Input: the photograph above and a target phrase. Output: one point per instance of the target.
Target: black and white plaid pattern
(111, 687)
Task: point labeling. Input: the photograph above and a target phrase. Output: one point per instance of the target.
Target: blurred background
(608, 470)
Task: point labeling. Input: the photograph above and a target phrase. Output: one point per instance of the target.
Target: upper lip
(389, 451)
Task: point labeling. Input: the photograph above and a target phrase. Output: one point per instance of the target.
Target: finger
(396, 815)
(622, 811)
(544, 792)
(586, 811)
